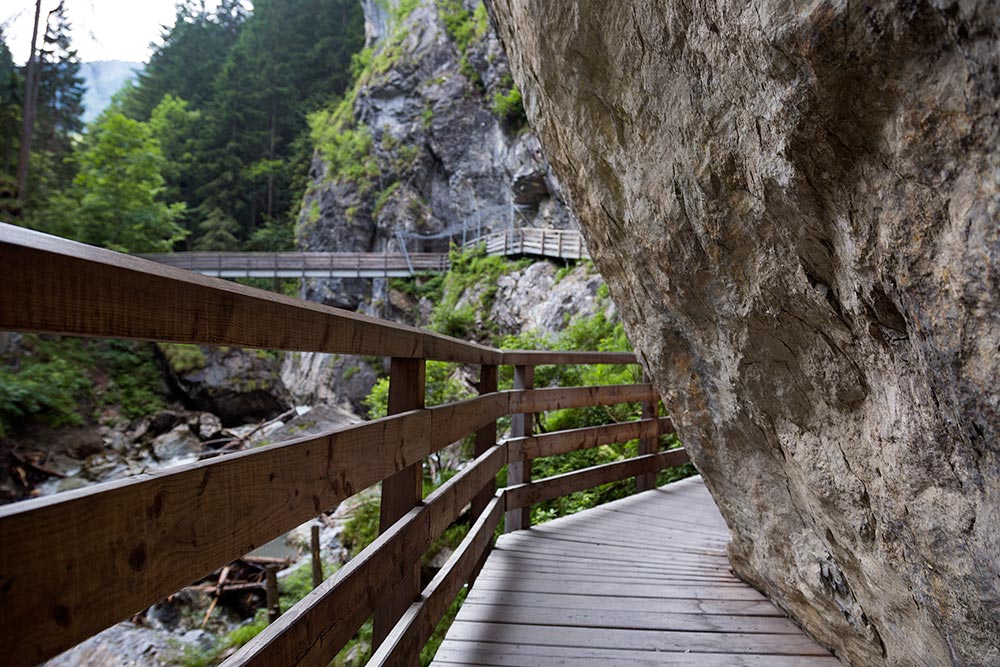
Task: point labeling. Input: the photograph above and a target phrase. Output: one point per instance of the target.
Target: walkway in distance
(640, 581)
(553, 243)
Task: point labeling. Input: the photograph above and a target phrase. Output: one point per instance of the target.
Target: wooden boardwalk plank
(481, 654)
(640, 581)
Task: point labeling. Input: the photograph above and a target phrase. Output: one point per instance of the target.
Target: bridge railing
(77, 562)
(304, 264)
(560, 243)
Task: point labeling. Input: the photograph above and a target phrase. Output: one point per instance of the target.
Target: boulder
(235, 385)
(539, 299)
(795, 206)
(179, 441)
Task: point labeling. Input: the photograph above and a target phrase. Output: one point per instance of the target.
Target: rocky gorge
(446, 153)
(795, 208)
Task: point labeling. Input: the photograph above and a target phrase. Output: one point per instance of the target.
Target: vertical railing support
(650, 445)
(486, 438)
(519, 472)
(401, 492)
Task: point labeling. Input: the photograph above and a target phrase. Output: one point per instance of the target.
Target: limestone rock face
(445, 165)
(797, 209)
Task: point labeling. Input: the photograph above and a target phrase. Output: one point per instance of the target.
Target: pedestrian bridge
(641, 581)
(551, 243)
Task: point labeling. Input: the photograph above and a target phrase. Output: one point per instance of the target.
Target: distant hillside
(103, 78)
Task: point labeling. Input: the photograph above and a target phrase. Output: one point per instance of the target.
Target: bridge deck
(640, 581)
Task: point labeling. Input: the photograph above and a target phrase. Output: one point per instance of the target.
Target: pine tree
(11, 101)
(217, 232)
(188, 61)
(60, 95)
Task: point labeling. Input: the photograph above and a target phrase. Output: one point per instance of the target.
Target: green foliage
(420, 287)
(48, 391)
(462, 25)
(275, 236)
(217, 232)
(508, 105)
(362, 528)
(183, 357)
(347, 150)
(134, 382)
(442, 386)
(564, 271)
(457, 321)
(472, 270)
(55, 380)
(383, 198)
(426, 117)
(174, 127)
(118, 185)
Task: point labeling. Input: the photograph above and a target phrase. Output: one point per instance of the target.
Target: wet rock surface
(795, 208)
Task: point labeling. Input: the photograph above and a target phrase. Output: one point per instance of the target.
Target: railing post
(401, 492)
(486, 438)
(519, 472)
(650, 445)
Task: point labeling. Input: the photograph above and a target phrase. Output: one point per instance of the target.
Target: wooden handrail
(76, 562)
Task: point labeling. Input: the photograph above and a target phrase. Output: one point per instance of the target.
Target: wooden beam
(75, 563)
(401, 492)
(172, 527)
(403, 645)
(571, 440)
(486, 439)
(558, 398)
(649, 444)
(454, 421)
(545, 357)
(519, 470)
(53, 285)
(313, 631)
(525, 495)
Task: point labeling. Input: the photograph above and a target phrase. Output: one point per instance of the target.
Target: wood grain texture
(545, 357)
(486, 439)
(519, 469)
(402, 491)
(650, 443)
(313, 631)
(415, 628)
(74, 563)
(590, 606)
(558, 398)
(570, 440)
(539, 491)
(57, 286)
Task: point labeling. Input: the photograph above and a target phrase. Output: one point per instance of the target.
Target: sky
(102, 29)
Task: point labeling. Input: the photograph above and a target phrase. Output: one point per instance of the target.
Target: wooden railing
(559, 243)
(75, 563)
(305, 264)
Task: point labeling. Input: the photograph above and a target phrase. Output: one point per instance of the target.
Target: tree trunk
(28, 117)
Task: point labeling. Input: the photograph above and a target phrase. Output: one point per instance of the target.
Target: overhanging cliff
(796, 209)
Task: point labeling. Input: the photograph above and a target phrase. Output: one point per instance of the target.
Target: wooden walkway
(554, 243)
(640, 581)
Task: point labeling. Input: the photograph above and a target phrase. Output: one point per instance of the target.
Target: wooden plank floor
(640, 581)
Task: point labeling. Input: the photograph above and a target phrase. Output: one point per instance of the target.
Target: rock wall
(441, 156)
(796, 208)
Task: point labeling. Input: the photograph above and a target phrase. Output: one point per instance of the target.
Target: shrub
(509, 107)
